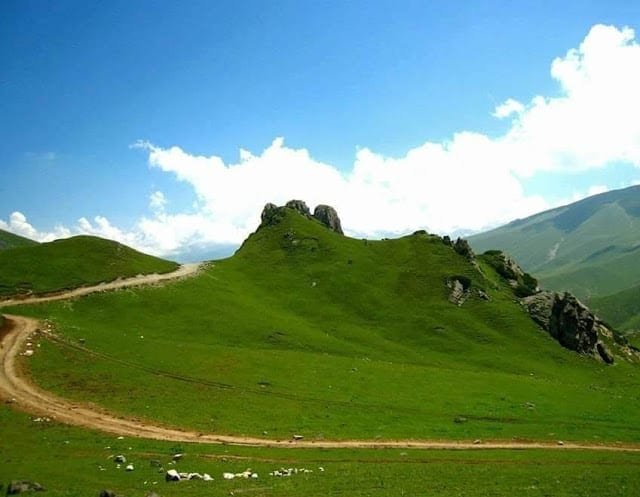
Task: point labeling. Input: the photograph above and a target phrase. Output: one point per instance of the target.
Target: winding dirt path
(19, 391)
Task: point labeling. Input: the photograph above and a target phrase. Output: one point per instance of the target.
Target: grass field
(68, 462)
(9, 240)
(305, 331)
(71, 263)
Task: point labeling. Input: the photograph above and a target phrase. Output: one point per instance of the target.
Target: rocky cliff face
(575, 327)
(327, 215)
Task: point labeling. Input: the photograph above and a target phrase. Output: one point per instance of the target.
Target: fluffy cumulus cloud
(470, 182)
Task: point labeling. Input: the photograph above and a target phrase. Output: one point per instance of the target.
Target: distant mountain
(590, 247)
(71, 263)
(9, 240)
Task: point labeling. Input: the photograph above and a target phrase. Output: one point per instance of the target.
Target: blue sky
(352, 87)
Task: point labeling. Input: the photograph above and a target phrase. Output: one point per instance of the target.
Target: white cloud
(470, 182)
(507, 108)
(157, 201)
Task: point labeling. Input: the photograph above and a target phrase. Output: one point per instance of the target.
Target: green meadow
(307, 332)
(31, 268)
(71, 462)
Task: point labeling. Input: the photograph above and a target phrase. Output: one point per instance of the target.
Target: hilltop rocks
(523, 284)
(575, 327)
(300, 206)
(328, 216)
(462, 247)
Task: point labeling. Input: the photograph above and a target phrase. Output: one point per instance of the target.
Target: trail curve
(21, 392)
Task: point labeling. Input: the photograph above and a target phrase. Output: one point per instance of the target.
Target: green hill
(9, 240)
(590, 247)
(306, 331)
(622, 309)
(71, 263)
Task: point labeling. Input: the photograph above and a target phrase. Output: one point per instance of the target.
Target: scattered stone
(177, 457)
(107, 493)
(560, 442)
(207, 477)
(228, 476)
(172, 475)
(298, 437)
(17, 487)
(328, 216)
(477, 441)
(129, 467)
(120, 459)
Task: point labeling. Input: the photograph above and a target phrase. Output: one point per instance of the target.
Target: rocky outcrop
(522, 283)
(328, 216)
(575, 327)
(460, 287)
(300, 206)
(271, 214)
(462, 247)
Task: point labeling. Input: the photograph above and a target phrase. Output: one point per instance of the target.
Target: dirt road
(22, 393)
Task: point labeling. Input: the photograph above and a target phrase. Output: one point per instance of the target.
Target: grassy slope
(67, 462)
(9, 240)
(589, 248)
(71, 263)
(330, 337)
(622, 309)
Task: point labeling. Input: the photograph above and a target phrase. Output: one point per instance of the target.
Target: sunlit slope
(590, 247)
(307, 331)
(9, 240)
(71, 263)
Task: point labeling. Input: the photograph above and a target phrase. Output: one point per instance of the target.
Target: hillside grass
(621, 310)
(71, 263)
(9, 240)
(72, 462)
(304, 331)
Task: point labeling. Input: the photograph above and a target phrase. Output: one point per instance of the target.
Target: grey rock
(459, 287)
(575, 327)
(271, 214)
(120, 459)
(463, 248)
(328, 216)
(300, 206)
(17, 487)
(107, 493)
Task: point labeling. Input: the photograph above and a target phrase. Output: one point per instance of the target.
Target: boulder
(575, 327)
(271, 214)
(17, 487)
(459, 286)
(300, 206)
(463, 248)
(328, 216)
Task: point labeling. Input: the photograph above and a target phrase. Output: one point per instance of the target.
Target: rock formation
(575, 327)
(328, 216)
(523, 283)
(300, 206)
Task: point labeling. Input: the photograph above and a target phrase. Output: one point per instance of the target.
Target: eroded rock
(575, 327)
(328, 216)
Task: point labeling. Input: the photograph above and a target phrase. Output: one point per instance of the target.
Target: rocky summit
(325, 214)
